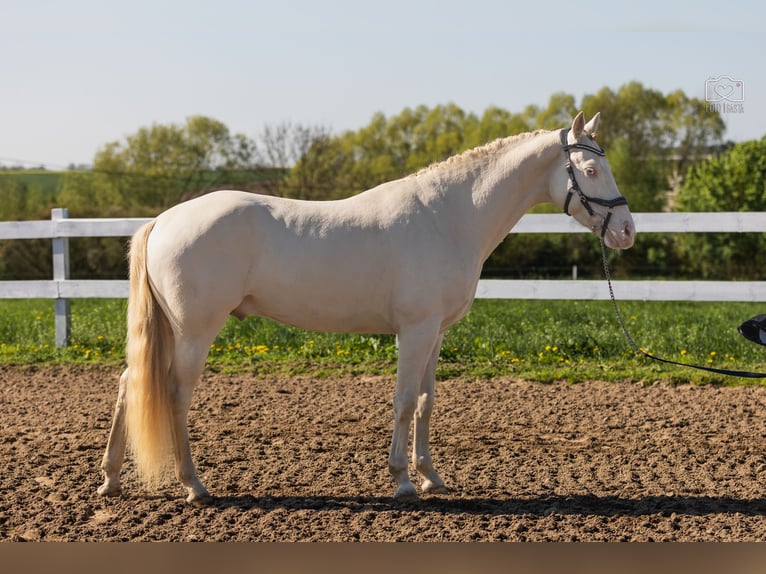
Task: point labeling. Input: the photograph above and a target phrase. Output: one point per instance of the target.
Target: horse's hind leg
(421, 454)
(188, 365)
(114, 456)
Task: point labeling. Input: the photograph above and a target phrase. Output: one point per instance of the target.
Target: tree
(146, 173)
(496, 123)
(650, 137)
(559, 112)
(152, 169)
(385, 149)
(733, 181)
(284, 145)
(24, 258)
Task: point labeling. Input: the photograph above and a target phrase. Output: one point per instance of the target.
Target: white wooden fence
(61, 288)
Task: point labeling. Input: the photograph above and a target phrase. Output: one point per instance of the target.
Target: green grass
(536, 340)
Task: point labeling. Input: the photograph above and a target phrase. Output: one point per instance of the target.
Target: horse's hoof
(406, 493)
(430, 487)
(107, 489)
(200, 500)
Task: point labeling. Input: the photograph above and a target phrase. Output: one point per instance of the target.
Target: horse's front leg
(421, 454)
(416, 346)
(114, 457)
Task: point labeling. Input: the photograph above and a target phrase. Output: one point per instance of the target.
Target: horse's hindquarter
(368, 264)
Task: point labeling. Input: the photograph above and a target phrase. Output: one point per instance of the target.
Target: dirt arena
(302, 459)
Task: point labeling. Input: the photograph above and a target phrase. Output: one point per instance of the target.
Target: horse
(402, 258)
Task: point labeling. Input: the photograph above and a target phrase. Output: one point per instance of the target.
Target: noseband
(586, 200)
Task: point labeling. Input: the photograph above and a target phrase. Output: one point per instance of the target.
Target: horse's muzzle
(620, 234)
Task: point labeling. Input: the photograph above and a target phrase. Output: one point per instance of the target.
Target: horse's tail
(149, 416)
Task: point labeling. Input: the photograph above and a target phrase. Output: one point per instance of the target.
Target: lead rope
(637, 349)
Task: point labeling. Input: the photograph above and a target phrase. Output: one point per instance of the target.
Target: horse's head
(583, 186)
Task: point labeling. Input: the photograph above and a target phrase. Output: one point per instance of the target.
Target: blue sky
(77, 74)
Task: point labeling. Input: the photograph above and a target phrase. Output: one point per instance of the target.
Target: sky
(78, 74)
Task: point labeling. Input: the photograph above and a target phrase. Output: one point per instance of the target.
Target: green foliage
(536, 340)
(149, 171)
(733, 181)
(391, 148)
(558, 114)
(650, 137)
(496, 123)
(25, 196)
(155, 167)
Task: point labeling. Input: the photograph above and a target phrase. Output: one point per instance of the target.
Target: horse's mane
(474, 155)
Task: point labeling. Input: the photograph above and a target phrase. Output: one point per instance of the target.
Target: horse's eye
(590, 171)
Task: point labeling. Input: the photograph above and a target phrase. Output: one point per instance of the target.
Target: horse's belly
(315, 312)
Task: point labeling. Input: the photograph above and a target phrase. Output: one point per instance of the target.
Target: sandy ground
(302, 459)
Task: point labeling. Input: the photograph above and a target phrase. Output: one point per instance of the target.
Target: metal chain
(639, 350)
(608, 276)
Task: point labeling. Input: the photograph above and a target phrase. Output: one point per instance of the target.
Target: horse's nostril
(627, 231)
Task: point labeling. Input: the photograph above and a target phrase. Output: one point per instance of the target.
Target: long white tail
(149, 416)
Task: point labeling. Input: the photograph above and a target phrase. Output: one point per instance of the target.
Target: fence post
(61, 273)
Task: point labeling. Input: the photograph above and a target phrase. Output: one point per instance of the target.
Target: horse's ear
(592, 126)
(577, 126)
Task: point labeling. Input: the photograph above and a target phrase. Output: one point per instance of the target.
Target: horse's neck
(509, 183)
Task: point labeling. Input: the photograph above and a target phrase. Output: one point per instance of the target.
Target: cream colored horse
(401, 258)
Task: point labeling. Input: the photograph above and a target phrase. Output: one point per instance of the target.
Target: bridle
(574, 187)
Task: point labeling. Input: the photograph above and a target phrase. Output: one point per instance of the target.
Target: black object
(754, 329)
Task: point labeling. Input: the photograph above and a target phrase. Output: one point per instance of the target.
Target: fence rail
(61, 288)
